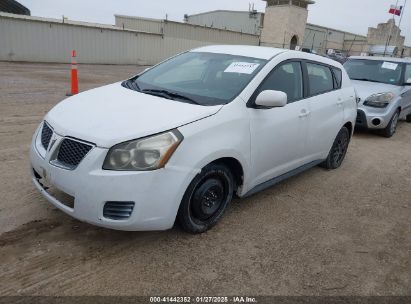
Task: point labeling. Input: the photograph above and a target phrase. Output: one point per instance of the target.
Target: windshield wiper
(169, 95)
(365, 79)
(131, 84)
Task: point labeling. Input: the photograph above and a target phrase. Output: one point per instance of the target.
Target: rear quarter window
(408, 73)
(337, 78)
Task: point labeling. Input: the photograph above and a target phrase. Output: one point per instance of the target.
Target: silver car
(383, 88)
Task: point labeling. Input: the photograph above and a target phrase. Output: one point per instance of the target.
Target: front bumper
(374, 118)
(156, 194)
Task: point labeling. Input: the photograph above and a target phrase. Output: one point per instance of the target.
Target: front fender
(225, 134)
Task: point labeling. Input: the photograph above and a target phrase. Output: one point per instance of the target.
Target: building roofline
(223, 11)
(186, 24)
(336, 30)
(262, 13)
(74, 23)
(137, 17)
(116, 28)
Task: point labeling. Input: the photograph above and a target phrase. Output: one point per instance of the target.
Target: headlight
(380, 100)
(143, 154)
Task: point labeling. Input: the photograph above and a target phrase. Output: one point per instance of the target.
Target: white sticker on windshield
(242, 67)
(389, 65)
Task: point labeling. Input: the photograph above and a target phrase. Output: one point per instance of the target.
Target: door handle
(304, 113)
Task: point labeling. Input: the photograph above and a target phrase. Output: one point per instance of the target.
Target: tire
(338, 150)
(389, 131)
(206, 199)
(408, 119)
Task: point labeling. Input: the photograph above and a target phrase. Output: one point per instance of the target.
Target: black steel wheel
(206, 198)
(338, 150)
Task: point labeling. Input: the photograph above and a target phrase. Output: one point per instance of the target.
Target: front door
(278, 135)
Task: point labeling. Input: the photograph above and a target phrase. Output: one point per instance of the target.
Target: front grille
(72, 152)
(46, 134)
(118, 210)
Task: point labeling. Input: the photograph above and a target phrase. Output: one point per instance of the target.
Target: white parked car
(180, 139)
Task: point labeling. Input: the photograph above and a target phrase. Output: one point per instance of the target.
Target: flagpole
(392, 26)
(399, 24)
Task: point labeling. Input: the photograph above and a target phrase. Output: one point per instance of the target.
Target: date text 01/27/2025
(239, 299)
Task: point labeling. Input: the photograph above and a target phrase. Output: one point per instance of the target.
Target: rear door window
(320, 79)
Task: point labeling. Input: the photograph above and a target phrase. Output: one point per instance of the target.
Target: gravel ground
(342, 232)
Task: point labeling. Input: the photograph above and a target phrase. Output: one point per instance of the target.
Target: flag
(395, 10)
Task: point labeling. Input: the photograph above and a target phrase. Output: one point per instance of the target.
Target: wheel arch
(397, 105)
(350, 127)
(235, 167)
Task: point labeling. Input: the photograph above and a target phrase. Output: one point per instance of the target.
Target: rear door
(326, 106)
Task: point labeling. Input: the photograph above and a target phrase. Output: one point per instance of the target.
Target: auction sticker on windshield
(389, 65)
(242, 67)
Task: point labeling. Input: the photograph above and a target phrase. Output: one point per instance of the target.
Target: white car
(180, 139)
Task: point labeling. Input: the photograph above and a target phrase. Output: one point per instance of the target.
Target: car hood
(113, 114)
(365, 89)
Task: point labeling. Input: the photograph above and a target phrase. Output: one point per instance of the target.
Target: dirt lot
(343, 232)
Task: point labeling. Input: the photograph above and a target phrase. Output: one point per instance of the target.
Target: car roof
(262, 52)
(380, 58)
(259, 52)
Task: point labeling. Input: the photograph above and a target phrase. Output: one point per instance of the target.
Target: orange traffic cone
(74, 77)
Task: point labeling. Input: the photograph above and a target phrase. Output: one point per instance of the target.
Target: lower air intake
(118, 210)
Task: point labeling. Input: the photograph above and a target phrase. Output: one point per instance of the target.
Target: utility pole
(352, 44)
(312, 47)
(392, 26)
(399, 24)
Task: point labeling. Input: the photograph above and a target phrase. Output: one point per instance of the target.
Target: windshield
(374, 70)
(200, 78)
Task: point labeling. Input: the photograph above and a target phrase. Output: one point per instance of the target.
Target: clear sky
(349, 15)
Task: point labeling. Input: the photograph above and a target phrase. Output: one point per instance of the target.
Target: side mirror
(271, 99)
